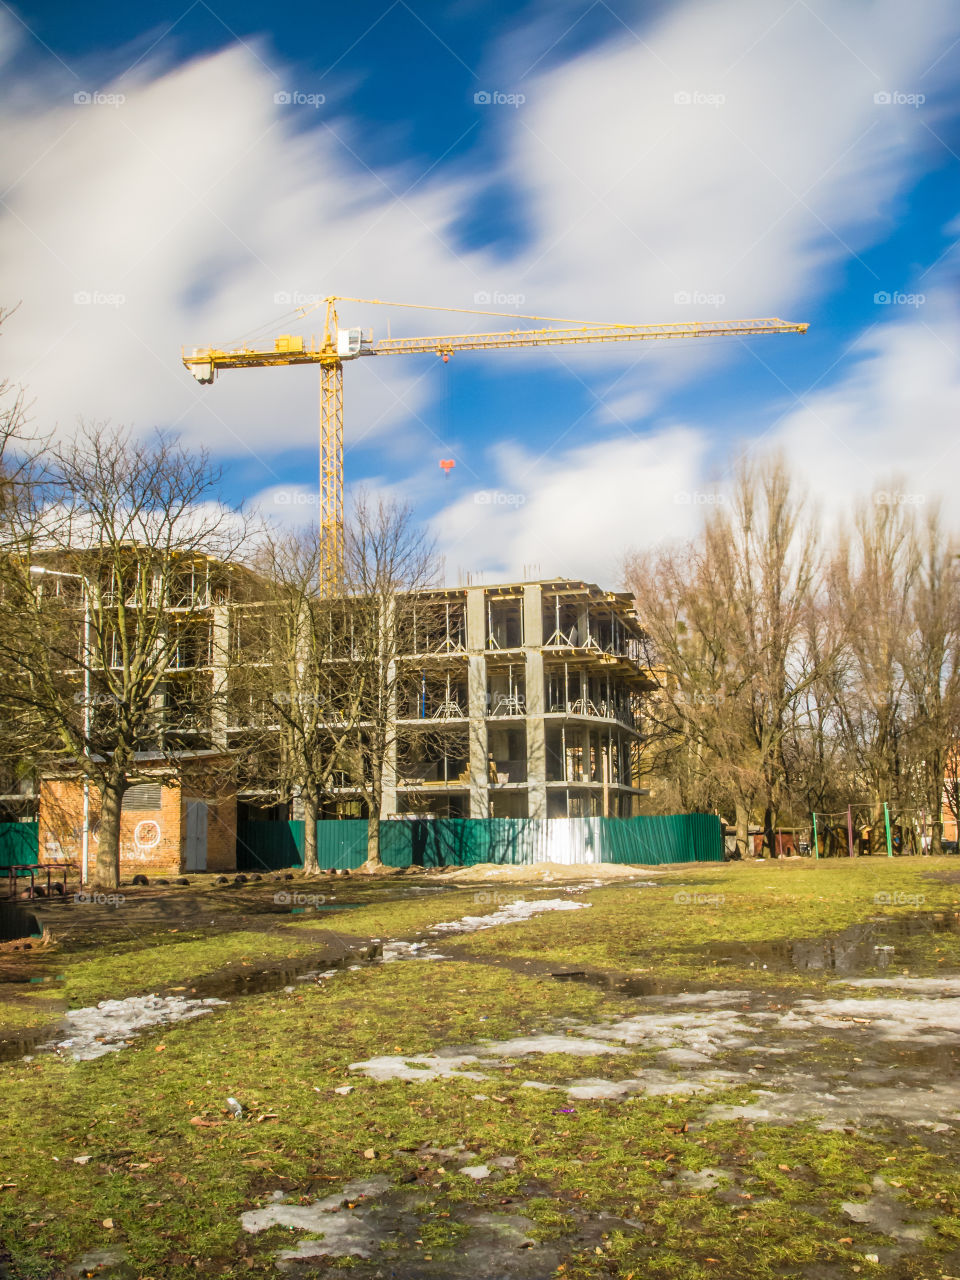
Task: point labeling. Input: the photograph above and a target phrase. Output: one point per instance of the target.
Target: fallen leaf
(784, 1168)
(369, 1154)
(204, 1124)
(159, 1048)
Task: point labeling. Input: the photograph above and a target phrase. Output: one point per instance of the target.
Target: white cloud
(890, 421)
(199, 199)
(894, 414)
(575, 513)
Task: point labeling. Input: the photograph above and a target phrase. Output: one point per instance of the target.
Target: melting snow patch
(522, 1045)
(510, 914)
(935, 1021)
(93, 1032)
(409, 951)
(923, 986)
(703, 1179)
(423, 1067)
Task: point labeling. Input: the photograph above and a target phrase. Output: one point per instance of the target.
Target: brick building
(178, 816)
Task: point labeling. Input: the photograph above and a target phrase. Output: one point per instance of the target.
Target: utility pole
(87, 709)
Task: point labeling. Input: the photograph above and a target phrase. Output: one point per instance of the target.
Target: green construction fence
(19, 845)
(464, 842)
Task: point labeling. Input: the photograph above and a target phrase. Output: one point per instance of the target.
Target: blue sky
(170, 178)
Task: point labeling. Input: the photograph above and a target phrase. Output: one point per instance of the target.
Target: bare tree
(873, 580)
(387, 564)
(298, 673)
(932, 667)
(112, 569)
(727, 619)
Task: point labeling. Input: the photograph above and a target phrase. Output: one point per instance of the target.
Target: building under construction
(518, 700)
(527, 704)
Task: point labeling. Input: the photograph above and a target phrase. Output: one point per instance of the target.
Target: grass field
(133, 1164)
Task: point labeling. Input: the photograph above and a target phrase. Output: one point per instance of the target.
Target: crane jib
(340, 345)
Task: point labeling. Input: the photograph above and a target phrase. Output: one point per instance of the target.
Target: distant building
(520, 700)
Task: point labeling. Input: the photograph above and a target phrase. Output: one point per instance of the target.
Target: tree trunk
(106, 869)
(311, 807)
(936, 836)
(373, 837)
(769, 836)
(743, 830)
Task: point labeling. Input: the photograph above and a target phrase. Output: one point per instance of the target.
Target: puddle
(13, 1047)
(620, 984)
(875, 944)
(108, 1024)
(261, 981)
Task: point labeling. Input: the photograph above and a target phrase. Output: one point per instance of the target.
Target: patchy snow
(703, 1179)
(931, 1021)
(922, 986)
(802, 1097)
(883, 1213)
(93, 1032)
(512, 913)
(409, 951)
(520, 1046)
(420, 1067)
(314, 1216)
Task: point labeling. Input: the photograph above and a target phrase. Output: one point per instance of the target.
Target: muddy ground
(747, 1072)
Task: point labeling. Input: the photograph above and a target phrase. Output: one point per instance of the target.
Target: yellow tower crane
(338, 345)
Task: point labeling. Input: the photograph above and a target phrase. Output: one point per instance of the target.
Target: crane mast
(337, 345)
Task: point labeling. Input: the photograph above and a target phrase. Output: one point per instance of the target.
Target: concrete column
(476, 641)
(476, 620)
(220, 656)
(533, 615)
(477, 735)
(388, 796)
(583, 622)
(533, 668)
